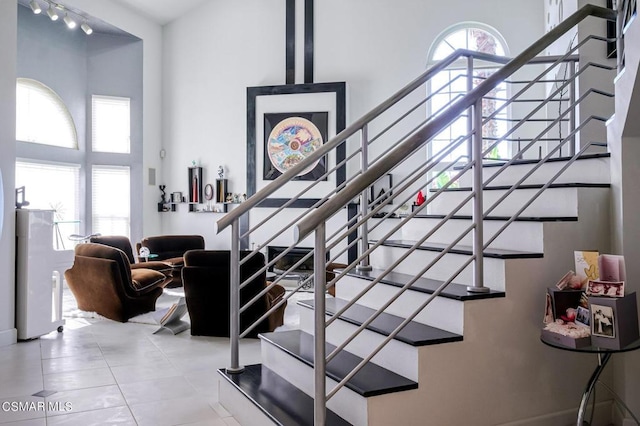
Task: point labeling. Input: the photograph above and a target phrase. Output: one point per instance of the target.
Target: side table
(603, 358)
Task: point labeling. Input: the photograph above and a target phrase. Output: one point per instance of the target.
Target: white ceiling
(162, 11)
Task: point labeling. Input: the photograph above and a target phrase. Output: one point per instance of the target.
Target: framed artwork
(289, 138)
(381, 190)
(283, 124)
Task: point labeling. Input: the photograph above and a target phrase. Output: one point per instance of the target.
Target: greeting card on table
(586, 266)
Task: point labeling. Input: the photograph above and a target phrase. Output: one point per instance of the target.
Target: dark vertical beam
(290, 43)
(308, 41)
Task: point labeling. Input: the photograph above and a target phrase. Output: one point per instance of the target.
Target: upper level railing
(546, 120)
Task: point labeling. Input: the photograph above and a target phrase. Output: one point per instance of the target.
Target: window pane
(111, 124)
(111, 202)
(42, 117)
(479, 40)
(53, 187)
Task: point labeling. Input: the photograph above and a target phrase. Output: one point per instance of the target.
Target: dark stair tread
(463, 249)
(550, 160)
(284, 403)
(426, 285)
(504, 218)
(529, 186)
(371, 380)
(414, 333)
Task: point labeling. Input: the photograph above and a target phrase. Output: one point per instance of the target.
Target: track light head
(70, 22)
(86, 28)
(51, 12)
(35, 7)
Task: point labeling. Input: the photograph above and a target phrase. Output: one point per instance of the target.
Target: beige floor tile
(142, 372)
(174, 412)
(120, 416)
(73, 363)
(31, 422)
(22, 385)
(21, 408)
(79, 379)
(157, 390)
(80, 400)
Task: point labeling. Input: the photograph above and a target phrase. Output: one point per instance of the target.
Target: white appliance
(38, 284)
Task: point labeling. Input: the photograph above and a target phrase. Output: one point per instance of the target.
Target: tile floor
(103, 372)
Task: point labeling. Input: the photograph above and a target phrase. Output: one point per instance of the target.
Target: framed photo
(321, 104)
(603, 321)
(605, 288)
(381, 190)
(583, 316)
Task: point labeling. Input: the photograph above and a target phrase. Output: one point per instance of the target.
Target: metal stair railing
(413, 137)
(317, 220)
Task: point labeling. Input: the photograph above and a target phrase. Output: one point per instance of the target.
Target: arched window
(451, 83)
(42, 117)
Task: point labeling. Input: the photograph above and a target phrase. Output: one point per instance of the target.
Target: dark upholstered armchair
(171, 249)
(206, 280)
(102, 281)
(123, 243)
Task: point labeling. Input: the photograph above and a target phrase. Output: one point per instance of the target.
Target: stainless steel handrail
(351, 130)
(311, 222)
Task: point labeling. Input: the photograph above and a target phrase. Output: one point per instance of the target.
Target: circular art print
(291, 141)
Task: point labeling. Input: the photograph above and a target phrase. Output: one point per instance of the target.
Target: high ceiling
(159, 11)
(162, 11)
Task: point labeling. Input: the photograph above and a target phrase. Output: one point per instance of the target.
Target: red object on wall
(194, 190)
(420, 198)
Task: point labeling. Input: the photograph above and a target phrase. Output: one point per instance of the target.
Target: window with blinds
(110, 195)
(53, 187)
(111, 124)
(42, 117)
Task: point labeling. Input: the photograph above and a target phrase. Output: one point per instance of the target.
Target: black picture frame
(271, 120)
(307, 92)
(380, 191)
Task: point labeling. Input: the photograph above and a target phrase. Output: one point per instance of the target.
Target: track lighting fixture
(86, 28)
(35, 7)
(51, 12)
(70, 22)
(54, 10)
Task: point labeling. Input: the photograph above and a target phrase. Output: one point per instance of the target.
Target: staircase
(436, 320)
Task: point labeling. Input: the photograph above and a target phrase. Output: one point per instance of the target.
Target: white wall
(214, 53)
(8, 51)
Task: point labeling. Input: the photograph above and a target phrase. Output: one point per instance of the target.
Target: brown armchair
(123, 243)
(206, 280)
(102, 281)
(171, 249)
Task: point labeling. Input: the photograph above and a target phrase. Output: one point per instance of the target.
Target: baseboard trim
(602, 416)
(8, 337)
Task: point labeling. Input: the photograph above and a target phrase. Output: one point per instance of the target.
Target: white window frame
(116, 136)
(47, 122)
(462, 65)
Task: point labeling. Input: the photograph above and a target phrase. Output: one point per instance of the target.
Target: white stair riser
(552, 202)
(396, 356)
(242, 409)
(447, 314)
(346, 403)
(443, 269)
(592, 170)
(524, 236)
